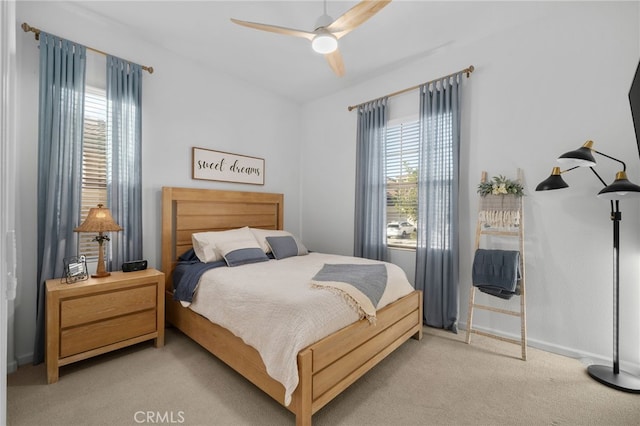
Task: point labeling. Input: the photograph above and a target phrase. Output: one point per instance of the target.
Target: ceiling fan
(324, 39)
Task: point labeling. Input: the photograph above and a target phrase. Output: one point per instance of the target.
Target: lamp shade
(581, 157)
(620, 188)
(554, 181)
(324, 42)
(98, 220)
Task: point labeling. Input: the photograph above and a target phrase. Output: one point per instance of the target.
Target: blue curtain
(60, 123)
(370, 207)
(437, 249)
(124, 102)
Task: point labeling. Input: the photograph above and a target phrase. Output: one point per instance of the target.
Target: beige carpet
(437, 381)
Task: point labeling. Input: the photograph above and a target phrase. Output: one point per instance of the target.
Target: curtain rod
(36, 31)
(468, 71)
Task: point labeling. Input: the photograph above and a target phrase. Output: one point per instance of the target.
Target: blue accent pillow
(241, 252)
(245, 256)
(283, 247)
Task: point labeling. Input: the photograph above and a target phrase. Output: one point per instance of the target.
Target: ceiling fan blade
(335, 62)
(275, 29)
(355, 16)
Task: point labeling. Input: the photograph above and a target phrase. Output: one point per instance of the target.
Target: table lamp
(99, 220)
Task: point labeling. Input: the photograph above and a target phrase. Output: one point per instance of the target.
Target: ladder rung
(505, 233)
(502, 311)
(495, 336)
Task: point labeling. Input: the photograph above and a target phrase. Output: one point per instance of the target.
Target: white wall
(539, 90)
(184, 105)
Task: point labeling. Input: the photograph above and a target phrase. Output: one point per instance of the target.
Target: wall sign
(227, 167)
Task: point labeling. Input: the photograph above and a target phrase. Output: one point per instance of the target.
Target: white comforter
(272, 307)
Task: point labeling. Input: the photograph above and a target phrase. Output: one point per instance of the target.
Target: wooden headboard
(189, 210)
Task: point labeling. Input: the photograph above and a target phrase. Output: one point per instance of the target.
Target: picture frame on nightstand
(75, 269)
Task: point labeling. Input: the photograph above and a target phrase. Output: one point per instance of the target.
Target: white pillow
(205, 243)
(262, 234)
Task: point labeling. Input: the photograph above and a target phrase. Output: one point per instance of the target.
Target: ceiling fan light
(324, 43)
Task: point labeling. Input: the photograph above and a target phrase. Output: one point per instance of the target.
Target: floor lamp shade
(581, 157)
(99, 220)
(620, 188)
(554, 181)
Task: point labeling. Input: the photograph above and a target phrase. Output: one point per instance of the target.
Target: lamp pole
(612, 376)
(616, 217)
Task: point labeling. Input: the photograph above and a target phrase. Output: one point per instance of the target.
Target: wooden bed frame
(326, 367)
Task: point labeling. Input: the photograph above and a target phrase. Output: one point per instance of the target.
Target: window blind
(402, 144)
(94, 162)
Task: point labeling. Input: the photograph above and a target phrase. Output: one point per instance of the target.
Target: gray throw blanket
(497, 272)
(361, 286)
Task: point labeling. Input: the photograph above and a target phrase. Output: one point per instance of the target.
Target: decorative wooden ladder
(510, 224)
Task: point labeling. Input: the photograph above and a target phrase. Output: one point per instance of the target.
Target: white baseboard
(24, 359)
(12, 366)
(586, 358)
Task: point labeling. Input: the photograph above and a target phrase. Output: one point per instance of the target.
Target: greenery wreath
(500, 185)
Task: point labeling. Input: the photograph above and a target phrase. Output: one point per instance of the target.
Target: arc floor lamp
(621, 188)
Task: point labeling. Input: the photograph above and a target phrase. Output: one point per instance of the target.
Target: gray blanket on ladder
(497, 272)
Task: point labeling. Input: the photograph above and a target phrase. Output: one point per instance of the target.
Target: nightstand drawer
(102, 333)
(107, 305)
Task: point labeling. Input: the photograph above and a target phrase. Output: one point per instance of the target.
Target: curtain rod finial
(26, 28)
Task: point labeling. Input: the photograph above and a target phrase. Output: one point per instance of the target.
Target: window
(401, 172)
(94, 163)
(402, 145)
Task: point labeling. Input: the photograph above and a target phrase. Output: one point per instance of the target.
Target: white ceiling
(400, 33)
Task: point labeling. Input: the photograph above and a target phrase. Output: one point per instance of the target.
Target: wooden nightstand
(99, 315)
